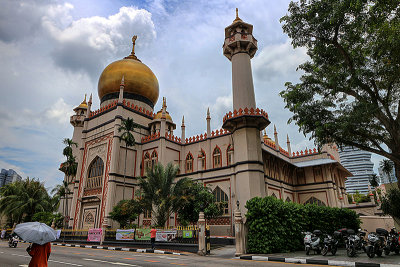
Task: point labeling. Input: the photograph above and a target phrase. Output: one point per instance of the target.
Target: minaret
(121, 90)
(239, 47)
(183, 130)
(289, 149)
(276, 139)
(208, 118)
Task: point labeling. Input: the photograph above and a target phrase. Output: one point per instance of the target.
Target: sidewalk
(340, 259)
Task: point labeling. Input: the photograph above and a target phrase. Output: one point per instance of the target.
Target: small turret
(276, 139)
(289, 149)
(183, 129)
(208, 118)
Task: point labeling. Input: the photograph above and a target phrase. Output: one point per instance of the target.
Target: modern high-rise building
(359, 163)
(7, 177)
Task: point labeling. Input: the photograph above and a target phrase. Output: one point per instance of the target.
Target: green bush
(276, 226)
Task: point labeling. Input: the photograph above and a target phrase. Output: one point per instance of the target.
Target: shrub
(276, 226)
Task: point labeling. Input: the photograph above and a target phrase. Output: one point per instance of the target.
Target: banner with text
(125, 234)
(168, 235)
(94, 235)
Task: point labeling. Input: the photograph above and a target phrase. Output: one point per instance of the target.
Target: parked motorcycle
(331, 243)
(312, 241)
(13, 241)
(376, 242)
(392, 242)
(353, 243)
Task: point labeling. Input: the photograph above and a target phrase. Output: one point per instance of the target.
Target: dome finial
(132, 55)
(237, 15)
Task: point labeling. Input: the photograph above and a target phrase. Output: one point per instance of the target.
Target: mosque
(238, 162)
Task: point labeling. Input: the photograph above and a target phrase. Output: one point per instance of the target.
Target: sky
(52, 53)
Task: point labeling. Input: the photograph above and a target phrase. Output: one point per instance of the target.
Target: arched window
(202, 160)
(189, 163)
(217, 157)
(95, 173)
(146, 161)
(154, 159)
(221, 197)
(316, 201)
(273, 195)
(229, 155)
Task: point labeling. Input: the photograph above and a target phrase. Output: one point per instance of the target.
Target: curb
(318, 262)
(122, 249)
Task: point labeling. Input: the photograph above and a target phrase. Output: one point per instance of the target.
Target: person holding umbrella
(40, 235)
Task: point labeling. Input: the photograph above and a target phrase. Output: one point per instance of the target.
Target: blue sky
(53, 51)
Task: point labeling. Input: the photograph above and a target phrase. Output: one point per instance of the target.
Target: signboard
(165, 235)
(142, 234)
(187, 234)
(94, 235)
(125, 234)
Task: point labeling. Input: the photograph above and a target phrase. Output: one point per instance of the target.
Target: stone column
(202, 234)
(239, 234)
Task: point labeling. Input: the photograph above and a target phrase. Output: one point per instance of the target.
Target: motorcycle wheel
(379, 252)
(386, 251)
(318, 251)
(324, 251)
(349, 252)
(333, 251)
(370, 252)
(307, 250)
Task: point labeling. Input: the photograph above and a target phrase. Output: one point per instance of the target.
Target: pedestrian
(40, 254)
(3, 233)
(153, 232)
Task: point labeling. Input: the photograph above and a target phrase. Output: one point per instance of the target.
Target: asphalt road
(70, 257)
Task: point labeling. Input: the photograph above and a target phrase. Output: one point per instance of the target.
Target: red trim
(143, 156)
(105, 187)
(179, 153)
(280, 195)
(326, 195)
(134, 169)
(205, 158)
(186, 171)
(80, 189)
(220, 154)
(229, 148)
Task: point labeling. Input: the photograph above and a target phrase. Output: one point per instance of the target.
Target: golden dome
(83, 104)
(139, 79)
(159, 114)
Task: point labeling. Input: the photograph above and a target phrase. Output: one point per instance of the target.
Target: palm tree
(387, 168)
(127, 127)
(159, 192)
(374, 180)
(62, 191)
(70, 166)
(21, 200)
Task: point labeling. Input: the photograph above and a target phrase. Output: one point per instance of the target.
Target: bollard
(202, 237)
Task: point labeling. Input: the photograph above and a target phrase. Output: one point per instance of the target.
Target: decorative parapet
(150, 137)
(245, 112)
(103, 109)
(305, 153)
(201, 137)
(172, 138)
(138, 109)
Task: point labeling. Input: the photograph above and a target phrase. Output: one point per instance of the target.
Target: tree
(125, 212)
(22, 199)
(391, 204)
(70, 166)
(349, 92)
(387, 168)
(199, 198)
(374, 180)
(61, 192)
(160, 194)
(127, 127)
(48, 217)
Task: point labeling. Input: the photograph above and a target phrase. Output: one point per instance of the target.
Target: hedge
(276, 226)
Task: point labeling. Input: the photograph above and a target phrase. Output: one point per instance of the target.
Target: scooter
(331, 243)
(312, 241)
(392, 242)
(353, 243)
(13, 241)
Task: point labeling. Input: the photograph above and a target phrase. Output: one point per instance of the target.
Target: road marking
(23, 265)
(168, 258)
(177, 263)
(110, 262)
(151, 261)
(129, 258)
(67, 263)
(109, 256)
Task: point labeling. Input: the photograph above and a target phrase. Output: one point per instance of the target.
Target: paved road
(71, 257)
